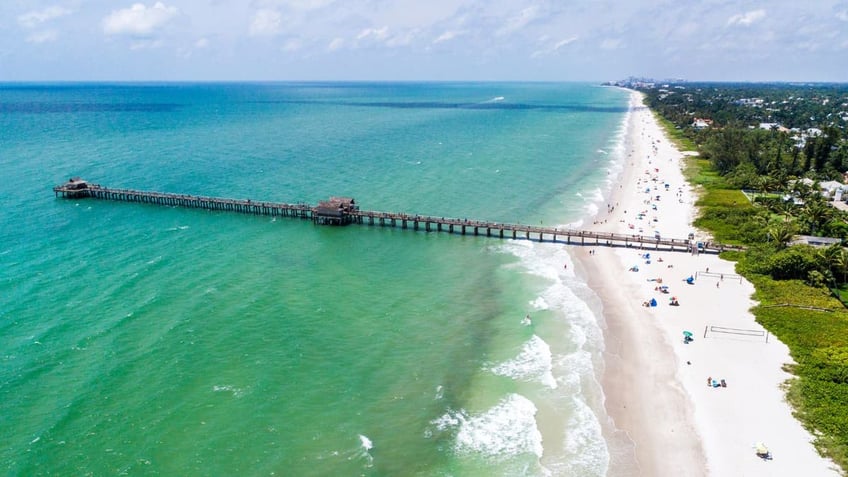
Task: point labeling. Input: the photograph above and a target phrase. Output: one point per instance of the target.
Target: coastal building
(75, 188)
(701, 123)
(336, 211)
(833, 190)
(815, 241)
(751, 102)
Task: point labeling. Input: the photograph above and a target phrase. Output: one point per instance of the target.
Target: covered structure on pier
(74, 188)
(336, 211)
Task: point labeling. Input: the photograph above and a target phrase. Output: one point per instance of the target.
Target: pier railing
(351, 213)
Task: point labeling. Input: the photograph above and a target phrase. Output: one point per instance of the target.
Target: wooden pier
(344, 211)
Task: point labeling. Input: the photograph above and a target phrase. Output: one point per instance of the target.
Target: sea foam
(581, 450)
(505, 430)
(533, 363)
(365, 449)
(236, 392)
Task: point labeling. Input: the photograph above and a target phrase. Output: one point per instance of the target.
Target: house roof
(815, 241)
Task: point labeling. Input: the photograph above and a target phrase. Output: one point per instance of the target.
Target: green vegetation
(677, 135)
(797, 286)
(763, 134)
(841, 293)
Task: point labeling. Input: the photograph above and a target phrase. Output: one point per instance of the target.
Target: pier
(344, 211)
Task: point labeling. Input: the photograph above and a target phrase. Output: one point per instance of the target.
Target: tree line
(809, 139)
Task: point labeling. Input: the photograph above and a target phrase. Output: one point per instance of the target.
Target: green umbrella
(687, 333)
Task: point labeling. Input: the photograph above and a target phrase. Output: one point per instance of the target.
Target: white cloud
(413, 14)
(843, 15)
(610, 44)
(201, 43)
(519, 21)
(36, 17)
(447, 36)
(386, 37)
(306, 4)
(266, 23)
(403, 39)
(335, 44)
(138, 19)
(144, 44)
(375, 33)
(562, 43)
(42, 36)
(747, 18)
(292, 45)
(553, 48)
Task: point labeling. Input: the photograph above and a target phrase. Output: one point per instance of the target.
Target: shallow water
(157, 340)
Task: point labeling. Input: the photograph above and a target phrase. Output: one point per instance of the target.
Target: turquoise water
(147, 340)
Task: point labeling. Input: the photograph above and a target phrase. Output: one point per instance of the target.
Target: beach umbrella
(761, 448)
(687, 333)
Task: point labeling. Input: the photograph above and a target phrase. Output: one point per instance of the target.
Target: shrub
(793, 263)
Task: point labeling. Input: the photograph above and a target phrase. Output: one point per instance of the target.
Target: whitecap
(507, 429)
(366, 443)
(585, 445)
(365, 446)
(533, 363)
(236, 392)
(573, 358)
(540, 304)
(449, 420)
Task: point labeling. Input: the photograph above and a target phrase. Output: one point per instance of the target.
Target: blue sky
(560, 40)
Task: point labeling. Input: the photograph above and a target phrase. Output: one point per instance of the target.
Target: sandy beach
(667, 416)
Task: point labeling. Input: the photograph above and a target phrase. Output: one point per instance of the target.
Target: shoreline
(662, 419)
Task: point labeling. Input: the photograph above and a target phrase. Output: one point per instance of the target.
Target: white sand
(661, 405)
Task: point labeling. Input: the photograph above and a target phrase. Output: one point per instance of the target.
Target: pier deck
(345, 211)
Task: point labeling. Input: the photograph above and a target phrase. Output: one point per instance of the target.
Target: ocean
(148, 340)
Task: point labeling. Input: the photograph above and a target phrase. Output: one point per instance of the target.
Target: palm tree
(816, 214)
(786, 208)
(828, 254)
(763, 184)
(781, 234)
(840, 262)
(828, 258)
(801, 190)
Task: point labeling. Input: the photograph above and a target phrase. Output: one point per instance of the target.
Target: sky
(433, 40)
